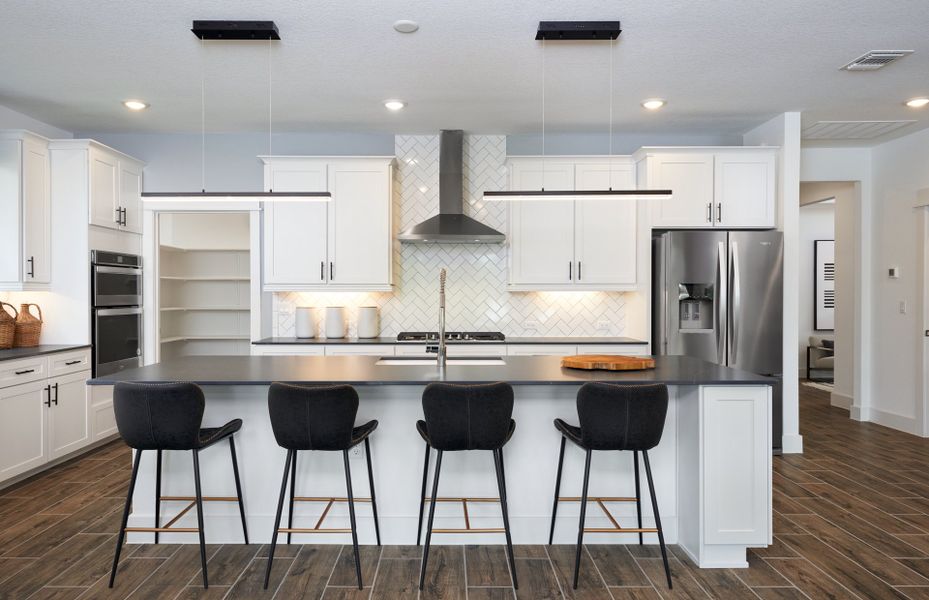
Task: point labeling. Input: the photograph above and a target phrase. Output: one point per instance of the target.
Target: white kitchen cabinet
(540, 350)
(342, 245)
(25, 230)
(610, 349)
(711, 187)
(22, 428)
(359, 350)
(130, 195)
(288, 349)
(574, 243)
(68, 415)
(104, 188)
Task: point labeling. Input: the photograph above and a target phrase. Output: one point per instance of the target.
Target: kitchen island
(712, 468)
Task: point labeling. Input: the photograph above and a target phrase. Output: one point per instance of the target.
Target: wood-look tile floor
(851, 521)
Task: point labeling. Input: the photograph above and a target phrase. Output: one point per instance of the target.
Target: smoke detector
(875, 59)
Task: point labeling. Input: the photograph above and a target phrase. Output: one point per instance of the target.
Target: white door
(37, 252)
(68, 416)
(130, 195)
(22, 428)
(541, 232)
(745, 188)
(690, 179)
(359, 224)
(605, 229)
(295, 232)
(104, 189)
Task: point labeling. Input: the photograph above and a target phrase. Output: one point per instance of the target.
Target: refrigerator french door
(718, 296)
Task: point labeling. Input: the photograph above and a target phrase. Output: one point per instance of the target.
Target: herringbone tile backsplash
(476, 289)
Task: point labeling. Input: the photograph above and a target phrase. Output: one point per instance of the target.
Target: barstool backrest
(468, 417)
(621, 417)
(159, 416)
(312, 417)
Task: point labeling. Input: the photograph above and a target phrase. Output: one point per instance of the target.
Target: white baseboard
(895, 421)
(792, 444)
(840, 400)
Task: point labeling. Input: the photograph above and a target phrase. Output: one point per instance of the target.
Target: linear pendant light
(232, 30)
(576, 30)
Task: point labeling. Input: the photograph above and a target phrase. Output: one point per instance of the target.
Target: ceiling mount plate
(578, 30)
(235, 30)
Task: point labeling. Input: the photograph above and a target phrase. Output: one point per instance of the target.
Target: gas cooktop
(451, 336)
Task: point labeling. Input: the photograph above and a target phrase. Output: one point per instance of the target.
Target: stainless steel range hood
(451, 225)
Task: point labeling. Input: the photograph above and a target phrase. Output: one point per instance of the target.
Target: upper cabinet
(343, 244)
(115, 189)
(573, 243)
(25, 230)
(711, 187)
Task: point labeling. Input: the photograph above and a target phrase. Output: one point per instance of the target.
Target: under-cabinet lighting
(536, 195)
(225, 197)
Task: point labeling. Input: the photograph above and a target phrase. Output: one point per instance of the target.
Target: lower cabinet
(68, 415)
(22, 428)
(540, 350)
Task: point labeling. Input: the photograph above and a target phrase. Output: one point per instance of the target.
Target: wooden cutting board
(607, 362)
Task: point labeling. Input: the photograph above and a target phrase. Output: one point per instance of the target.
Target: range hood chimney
(451, 225)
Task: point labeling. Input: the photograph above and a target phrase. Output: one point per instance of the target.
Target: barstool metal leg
(580, 527)
(122, 526)
(377, 527)
(651, 489)
(435, 492)
(501, 486)
(351, 516)
(277, 518)
(202, 532)
(551, 534)
(157, 494)
(422, 496)
(238, 488)
(293, 487)
(638, 493)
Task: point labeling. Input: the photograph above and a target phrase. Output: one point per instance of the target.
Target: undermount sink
(475, 361)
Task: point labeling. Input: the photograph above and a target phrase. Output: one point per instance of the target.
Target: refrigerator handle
(734, 322)
(721, 302)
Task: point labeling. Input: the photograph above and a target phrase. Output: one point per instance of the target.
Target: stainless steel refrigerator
(717, 295)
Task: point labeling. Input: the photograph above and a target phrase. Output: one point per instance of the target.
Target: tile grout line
(241, 573)
(551, 564)
(377, 570)
(289, 567)
(597, 569)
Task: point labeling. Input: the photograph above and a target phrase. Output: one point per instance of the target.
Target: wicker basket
(7, 326)
(28, 327)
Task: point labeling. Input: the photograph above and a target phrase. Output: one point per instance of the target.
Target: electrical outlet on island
(357, 451)
(604, 325)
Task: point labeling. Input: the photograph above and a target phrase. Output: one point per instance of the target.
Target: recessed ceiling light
(917, 102)
(135, 104)
(406, 26)
(653, 103)
(394, 104)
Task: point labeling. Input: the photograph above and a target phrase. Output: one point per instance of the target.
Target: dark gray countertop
(362, 370)
(393, 340)
(14, 353)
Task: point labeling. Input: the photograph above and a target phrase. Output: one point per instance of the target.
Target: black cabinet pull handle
(119, 216)
(125, 217)
(331, 272)
(719, 212)
(72, 362)
(322, 270)
(31, 262)
(24, 372)
(570, 271)
(56, 394)
(48, 400)
(578, 270)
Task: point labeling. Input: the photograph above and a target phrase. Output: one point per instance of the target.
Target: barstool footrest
(620, 530)
(314, 530)
(467, 518)
(319, 528)
(616, 528)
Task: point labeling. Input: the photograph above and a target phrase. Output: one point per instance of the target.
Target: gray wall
(599, 143)
(10, 119)
(173, 159)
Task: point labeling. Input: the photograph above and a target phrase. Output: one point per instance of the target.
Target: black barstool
(167, 416)
(465, 417)
(318, 418)
(615, 417)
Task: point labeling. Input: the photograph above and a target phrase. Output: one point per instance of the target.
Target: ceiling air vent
(875, 59)
(851, 130)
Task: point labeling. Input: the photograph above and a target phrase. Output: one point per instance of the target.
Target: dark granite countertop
(393, 340)
(14, 353)
(362, 370)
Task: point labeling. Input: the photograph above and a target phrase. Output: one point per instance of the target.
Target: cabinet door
(37, 252)
(104, 189)
(605, 229)
(130, 196)
(295, 232)
(690, 179)
(745, 188)
(68, 416)
(541, 232)
(22, 428)
(540, 350)
(360, 238)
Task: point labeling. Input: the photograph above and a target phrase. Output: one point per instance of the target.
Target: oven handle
(118, 270)
(109, 312)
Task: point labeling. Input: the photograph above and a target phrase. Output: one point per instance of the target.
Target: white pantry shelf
(180, 249)
(205, 308)
(203, 278)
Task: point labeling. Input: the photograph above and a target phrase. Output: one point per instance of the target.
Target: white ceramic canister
(335, 322)
(305, 322)
(368, 325)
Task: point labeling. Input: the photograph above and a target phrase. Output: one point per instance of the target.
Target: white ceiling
(724, 66)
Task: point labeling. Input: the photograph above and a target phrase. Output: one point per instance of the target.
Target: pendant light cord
(270, 189)
(202, 117)
(610, 165)
(543, 114)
